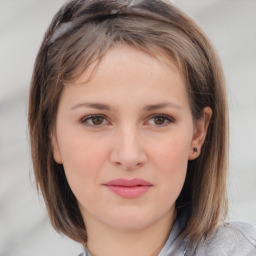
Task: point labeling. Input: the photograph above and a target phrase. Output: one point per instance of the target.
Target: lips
(128, 188)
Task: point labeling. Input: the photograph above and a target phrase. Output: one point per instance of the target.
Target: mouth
(128, 188)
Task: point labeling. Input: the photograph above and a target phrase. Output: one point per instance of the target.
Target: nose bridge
(128, 137)
(128, 150)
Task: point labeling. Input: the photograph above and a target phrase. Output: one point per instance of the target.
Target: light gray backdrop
(24, 226)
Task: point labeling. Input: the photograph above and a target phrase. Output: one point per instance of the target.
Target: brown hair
(81, 33)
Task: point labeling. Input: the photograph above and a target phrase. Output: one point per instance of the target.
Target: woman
(129, 130)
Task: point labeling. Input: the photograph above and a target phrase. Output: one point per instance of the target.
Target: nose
(127, 150)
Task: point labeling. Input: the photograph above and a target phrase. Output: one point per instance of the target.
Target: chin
(132, 220)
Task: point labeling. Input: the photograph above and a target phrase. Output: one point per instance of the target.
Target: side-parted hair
(80, 34)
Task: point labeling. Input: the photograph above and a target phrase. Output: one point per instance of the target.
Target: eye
(94, 120)
(160, 120)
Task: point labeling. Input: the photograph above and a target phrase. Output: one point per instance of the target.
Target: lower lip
(129, 192)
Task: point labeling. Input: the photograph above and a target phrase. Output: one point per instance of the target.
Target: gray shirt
(229, 239)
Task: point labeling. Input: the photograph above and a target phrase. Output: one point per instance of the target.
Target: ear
(55, 149)
(200, 131)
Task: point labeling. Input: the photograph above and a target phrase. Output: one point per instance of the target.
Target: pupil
(97, 120)
(159, 120)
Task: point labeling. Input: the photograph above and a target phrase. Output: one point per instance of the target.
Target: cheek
(171, 159)
(82, 165)
(173, 152)
(82, 160)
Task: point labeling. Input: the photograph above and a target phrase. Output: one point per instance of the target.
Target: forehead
(125, 78)
(121, 60)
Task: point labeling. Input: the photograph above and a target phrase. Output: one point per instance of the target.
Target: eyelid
(168, 118)
(84, 120)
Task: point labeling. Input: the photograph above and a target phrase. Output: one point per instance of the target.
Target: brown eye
(98, 120)
(159, 120)
(94, 120)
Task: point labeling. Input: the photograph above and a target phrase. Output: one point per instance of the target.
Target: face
(125, 137)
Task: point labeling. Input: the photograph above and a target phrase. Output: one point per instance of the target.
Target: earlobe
(55, 149)
(200, 131)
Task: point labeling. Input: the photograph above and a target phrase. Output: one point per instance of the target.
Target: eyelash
(85, 120)
(167, 121)
(167, 118)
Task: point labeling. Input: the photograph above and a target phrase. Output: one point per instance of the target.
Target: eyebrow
(162, 105)
(101, 106)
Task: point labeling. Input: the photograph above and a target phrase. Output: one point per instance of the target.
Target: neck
(107, 241)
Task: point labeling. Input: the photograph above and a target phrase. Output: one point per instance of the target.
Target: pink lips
(128, 188)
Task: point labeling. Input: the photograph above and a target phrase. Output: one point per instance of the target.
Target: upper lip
(128, 183)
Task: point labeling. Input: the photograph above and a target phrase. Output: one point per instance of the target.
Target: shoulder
(234, 238)
(85, 252)
(82, 254)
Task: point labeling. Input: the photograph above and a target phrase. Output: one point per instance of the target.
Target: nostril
(127, 154)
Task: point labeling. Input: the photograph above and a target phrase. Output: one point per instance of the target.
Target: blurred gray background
(24, 226)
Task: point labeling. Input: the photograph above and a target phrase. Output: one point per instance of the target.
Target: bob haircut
(80, 34)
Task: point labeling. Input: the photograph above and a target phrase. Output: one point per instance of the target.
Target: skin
(127, 141)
